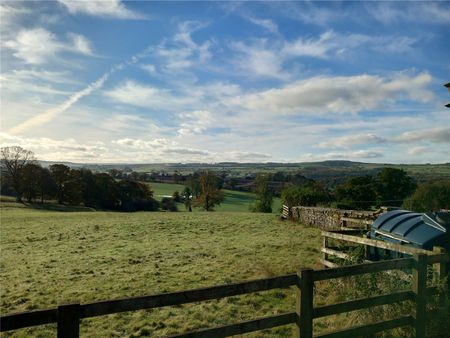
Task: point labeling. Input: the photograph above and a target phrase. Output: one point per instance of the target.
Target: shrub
(168, 204)
(304, 195)
(430, 197)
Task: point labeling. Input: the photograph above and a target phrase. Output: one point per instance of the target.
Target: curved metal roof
(424, 230)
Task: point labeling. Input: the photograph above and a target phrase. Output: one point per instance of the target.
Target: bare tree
(13, 160)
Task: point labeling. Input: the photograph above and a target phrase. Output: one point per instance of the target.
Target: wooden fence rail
(68, 316)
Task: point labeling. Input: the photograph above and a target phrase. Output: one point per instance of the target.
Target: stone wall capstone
(329, 218)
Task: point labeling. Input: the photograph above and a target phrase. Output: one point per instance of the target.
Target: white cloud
(195, 122)
(104, 8)
(50, 149)
(149, 68)
(322, 95)
(352, 140)
(433, 12)
(350, 155)
(128, 123)
(421, 150)
(320, 47)
(141, 95)
(182, 51)
(38, 46)
(265, 23)
(258, 59)
(35, 81)
(11, 13)
(432, 135)
(435, 135)
(181, 97)
(81, 44)
(267, 57)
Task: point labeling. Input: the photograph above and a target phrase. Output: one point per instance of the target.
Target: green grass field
(237, 201)
(51, 257)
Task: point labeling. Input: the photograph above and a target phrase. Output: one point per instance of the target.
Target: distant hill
(329, 172)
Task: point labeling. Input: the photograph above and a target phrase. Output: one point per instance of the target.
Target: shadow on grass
(57, 207)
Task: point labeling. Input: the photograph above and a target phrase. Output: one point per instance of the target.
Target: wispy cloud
(431, 12)
(267, 24)
(352, 140)
(182, 51)
(104, 8)
(39, 46)
(141, 95)
(353, 155)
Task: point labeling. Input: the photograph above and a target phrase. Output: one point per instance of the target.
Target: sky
(163, 81)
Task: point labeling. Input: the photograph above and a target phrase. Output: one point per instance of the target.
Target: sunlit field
(51, 257)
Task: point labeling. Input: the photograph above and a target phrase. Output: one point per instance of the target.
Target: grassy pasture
(51, 257)
(234, 200)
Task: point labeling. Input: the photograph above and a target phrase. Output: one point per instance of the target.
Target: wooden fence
(68, 316)
(346, 237)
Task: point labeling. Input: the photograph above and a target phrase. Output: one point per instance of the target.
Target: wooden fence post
(306, 303)
(298, 304)
(324, 245)
(419, 284)
(441, 270)
(69, 321)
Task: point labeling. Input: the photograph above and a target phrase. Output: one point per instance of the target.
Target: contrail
(53, 112)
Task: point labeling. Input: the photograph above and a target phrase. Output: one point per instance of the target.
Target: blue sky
(114, 81)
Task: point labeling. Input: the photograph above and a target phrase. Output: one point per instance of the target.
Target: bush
(168, 204)
(430, 197)
(304, 195)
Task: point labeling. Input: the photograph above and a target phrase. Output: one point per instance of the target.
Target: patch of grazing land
(233, 200)
(51, 257)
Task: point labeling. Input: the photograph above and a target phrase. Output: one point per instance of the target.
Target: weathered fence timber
(68, 316)
(367, 242)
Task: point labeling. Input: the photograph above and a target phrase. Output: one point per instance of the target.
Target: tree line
(24, 178)
(389, 187)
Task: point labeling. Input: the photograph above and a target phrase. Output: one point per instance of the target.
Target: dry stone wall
(328, 218)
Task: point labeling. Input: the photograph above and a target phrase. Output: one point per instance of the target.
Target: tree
(176, 196)
(356, 193)
(47, 187)
(429, 197)
(210, 194)
(14, 159)
(233, 183)
(30, 174)
(305, 195)
(61, 176)
(136, 196)
(264, 196)
(393, 185)
(106, 191)
(187, 197)
(68, 183)
(194, 184)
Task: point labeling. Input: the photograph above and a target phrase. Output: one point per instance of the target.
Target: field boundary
(68, 316)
